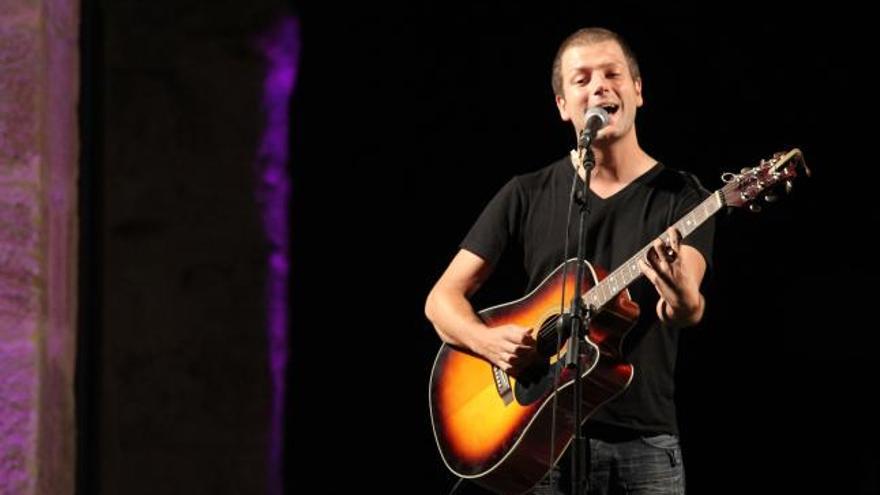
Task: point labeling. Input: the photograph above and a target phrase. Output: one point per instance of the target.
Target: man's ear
(638, 85)
(563, 112)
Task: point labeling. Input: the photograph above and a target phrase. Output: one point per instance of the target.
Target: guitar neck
(628, 272)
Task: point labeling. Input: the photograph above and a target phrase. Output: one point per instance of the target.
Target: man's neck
(621, 161)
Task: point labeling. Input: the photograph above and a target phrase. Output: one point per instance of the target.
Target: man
(634, 199)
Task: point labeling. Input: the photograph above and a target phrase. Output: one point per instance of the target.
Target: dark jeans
(641, 466)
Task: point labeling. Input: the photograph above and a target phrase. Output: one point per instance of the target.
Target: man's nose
(601, 85)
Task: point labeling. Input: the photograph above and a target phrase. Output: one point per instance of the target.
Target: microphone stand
(579, 316)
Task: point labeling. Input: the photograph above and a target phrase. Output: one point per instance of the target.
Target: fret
(629, 271)
(618, 280)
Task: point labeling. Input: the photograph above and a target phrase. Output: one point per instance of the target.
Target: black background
(411, 117)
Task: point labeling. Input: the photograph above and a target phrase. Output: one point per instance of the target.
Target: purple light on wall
(281, 49)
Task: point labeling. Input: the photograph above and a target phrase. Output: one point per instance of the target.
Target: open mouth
(611, 108)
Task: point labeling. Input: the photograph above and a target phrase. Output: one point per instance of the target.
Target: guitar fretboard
(628, 272)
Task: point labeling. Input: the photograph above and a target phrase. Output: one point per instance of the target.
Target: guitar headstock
(744, 188)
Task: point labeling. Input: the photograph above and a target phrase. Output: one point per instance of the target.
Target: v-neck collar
(646, 176)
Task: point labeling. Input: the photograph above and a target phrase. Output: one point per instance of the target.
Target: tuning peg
(788, 186)
(754, 208)
(770, 197)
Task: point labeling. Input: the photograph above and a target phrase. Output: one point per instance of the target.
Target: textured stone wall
(38, 170)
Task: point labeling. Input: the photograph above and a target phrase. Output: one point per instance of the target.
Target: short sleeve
(498, 224)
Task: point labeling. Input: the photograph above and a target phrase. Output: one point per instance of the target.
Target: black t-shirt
(528, 216)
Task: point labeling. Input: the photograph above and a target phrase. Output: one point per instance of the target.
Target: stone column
(39, 83)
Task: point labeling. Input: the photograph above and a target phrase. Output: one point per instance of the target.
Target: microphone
(595, 118)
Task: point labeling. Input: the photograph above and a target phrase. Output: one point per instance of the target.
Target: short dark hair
(589, 36)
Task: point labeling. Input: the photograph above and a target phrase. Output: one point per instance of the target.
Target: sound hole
(536, 380)
(549, 340)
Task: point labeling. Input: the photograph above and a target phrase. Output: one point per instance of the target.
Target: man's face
(597, 74)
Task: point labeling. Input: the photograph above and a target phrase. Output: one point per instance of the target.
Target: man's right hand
(509, 347)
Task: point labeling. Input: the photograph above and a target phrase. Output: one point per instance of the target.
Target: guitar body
(496, 429)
